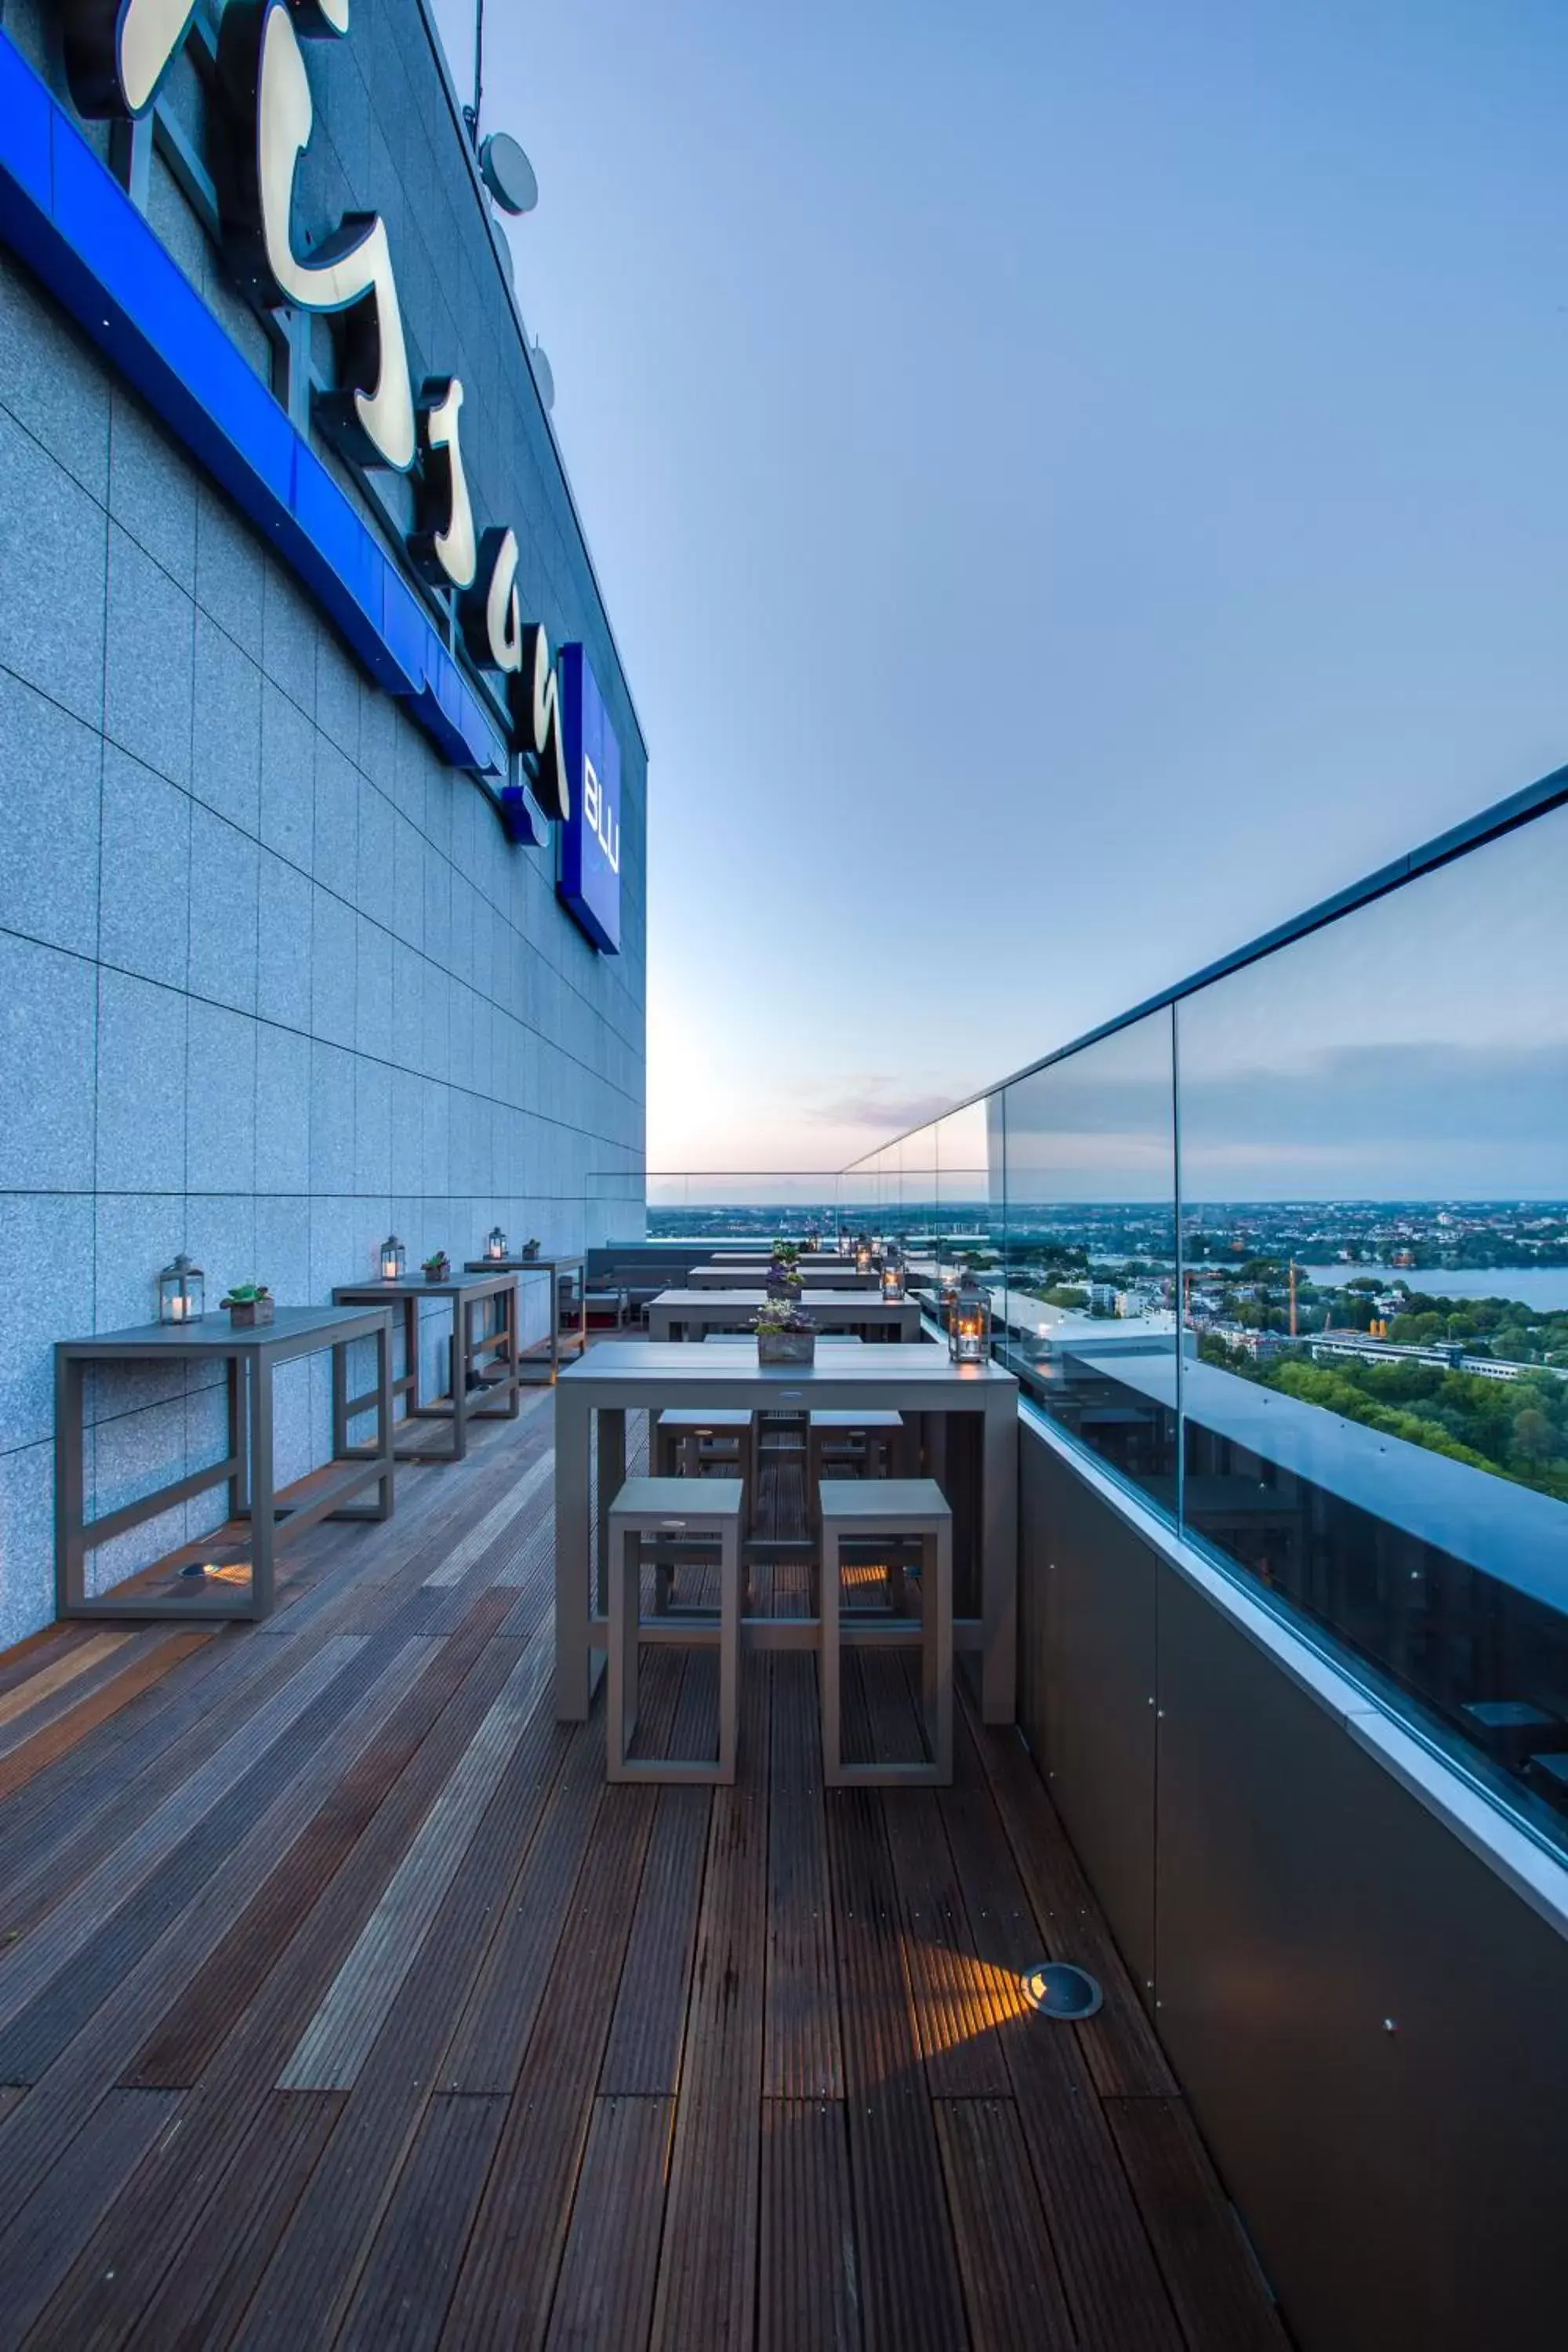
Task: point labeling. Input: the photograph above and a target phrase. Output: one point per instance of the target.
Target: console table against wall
(541, 1372)
(486, 1362)
(187, 1582)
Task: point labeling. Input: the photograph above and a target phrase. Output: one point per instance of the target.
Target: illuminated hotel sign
(555, 759)
(591, 841)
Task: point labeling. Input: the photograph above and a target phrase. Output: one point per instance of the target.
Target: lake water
(1542, 1287)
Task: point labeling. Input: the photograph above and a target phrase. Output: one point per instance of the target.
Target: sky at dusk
(1072, 486)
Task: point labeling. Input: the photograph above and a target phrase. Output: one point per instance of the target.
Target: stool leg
(936, 1647)
(729, 1649)
(832, 1733)
(621, 1695)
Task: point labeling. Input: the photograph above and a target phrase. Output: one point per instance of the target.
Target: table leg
(387, 1488)
(239, 1484)
(555, 1322)
(462, 1343)
(574, 1681)
(411, 1354)
(612, 1478)
(511, 1324)
(340, 1402)
(70, 1547)
(999, 1559)
(263, 1515)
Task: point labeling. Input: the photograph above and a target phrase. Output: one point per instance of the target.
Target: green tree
(1534, 1439)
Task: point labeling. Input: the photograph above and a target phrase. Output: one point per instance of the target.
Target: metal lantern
(495, 1247)
(863, 1254)
(394, 1259)
(892, 1272)
(969, 1323)
(181, 1291)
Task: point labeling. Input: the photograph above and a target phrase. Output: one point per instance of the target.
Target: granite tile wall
(272, 982)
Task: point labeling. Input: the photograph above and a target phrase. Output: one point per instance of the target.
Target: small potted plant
(530, 1248)
(248, 1303)
(783, 1278)
(784, 1336)
(437, 1267)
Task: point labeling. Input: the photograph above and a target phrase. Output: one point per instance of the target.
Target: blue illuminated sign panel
(589, 881)
(68, 217)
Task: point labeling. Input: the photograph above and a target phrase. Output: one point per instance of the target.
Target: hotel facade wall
(272, 981)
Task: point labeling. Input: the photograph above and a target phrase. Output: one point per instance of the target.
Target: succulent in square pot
(248, 1303)
(437, 1267)
(784, 1336)
(528, 1249)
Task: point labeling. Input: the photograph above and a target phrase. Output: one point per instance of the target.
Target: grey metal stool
(852, 1510)
(860, 1445)
(691, 1444)
(678, 1508)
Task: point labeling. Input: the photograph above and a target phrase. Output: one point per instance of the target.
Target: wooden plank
(150, 1989)
(707, 2255)
(539, 1548)
(486, 2047)
(500, 1522)
(439, 1716)
(910, 2288)
(59, 1672)
(190, 1900)
(333, 2046)
(199, 2298)
(605, 2295)
(412, 2267)
(1122, 2052)
(24, 1659)
(184, 2043)
(34, 1963)
(317, 2267)
(1012, 2287)
(1112, 2282)
(643, 2054)
(1220, 2296)
(959, 2003)
(508, 2278)
(808, 2296)
(802, 2058)
(125, 1682)
(61, 1826)
(38, 2245)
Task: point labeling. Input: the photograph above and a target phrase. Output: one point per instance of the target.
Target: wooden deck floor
(343, 2004)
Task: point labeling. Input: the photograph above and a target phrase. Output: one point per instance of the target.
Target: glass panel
(967, 1234)
(916, 1191)
(1087, 1317)
(1374, 1127)
(746, 1205)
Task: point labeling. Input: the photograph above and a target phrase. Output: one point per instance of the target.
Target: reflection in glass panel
(1374, 1129)
(1086, 1317)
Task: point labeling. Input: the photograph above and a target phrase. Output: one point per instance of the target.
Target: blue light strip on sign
(74, 225)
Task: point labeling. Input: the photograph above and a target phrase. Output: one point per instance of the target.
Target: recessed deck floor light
(1057, 1989)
